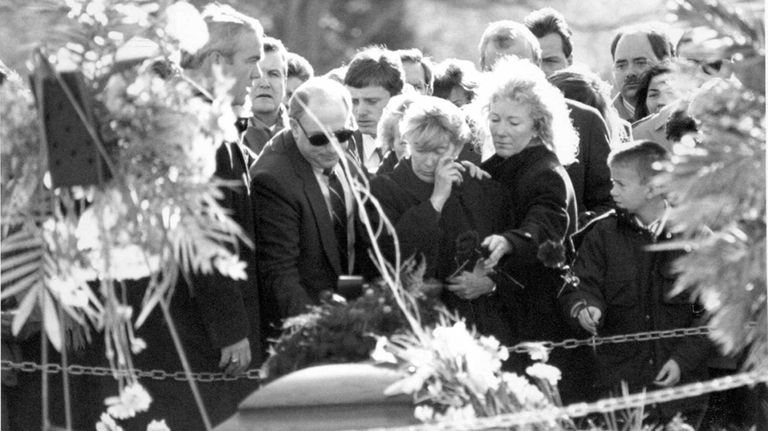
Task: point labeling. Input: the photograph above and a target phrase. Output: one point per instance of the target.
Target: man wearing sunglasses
(304, 210)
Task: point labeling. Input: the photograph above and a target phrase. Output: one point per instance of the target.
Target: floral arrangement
(66, 249)
(454, 374)
(346, 331)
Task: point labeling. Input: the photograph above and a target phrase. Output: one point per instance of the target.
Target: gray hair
(225, 26)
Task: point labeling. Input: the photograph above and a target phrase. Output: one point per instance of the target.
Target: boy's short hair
(641, 155)
(376, 67)
(299, 67)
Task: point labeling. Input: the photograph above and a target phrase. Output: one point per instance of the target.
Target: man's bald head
(507, 38)
(320, 106)
(317, 92)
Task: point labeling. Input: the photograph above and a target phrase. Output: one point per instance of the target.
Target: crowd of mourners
(529, 149)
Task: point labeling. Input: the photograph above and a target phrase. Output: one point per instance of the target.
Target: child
(624, 289)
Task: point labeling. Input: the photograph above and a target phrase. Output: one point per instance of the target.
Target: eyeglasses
(320, 139)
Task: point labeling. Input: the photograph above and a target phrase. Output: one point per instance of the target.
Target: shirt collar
(628, 106)
(656, 227)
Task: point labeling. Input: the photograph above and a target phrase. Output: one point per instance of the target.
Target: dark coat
(590, 176)
(296, 248)
(215, 312)
(631, 286)
(474, 205)
(544, 208)
(258, 134)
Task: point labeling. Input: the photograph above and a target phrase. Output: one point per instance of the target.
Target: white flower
(133, 399)
(127, 262)
(231, 266)
(186, 25)
(481, 371)
(493, 345)
(69, 290)
(544, 372)
(410, 384)
(526, 393)
(459, 414)
(106, 423)
(158, 426)
(380, 353)
(453, 341)
(424, 413)
(138, 345)
(132, 14)
(537, 351)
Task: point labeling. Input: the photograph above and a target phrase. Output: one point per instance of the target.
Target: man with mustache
(634, 50)
(267, 94)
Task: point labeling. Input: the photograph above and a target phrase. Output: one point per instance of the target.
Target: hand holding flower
(471, 285)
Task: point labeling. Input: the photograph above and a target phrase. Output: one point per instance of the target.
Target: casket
(325, 397)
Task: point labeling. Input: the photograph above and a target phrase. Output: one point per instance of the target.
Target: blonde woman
(434, 200)
(533, 139)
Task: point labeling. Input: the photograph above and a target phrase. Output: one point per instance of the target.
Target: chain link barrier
(572, 343)
(600, 406)
(83, 370)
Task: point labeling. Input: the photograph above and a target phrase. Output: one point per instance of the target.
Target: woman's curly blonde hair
(522, 82)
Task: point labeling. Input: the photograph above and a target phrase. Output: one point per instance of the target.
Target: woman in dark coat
(533, 139)
(432, 200)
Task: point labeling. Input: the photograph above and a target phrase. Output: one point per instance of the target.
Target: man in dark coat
(216, 317)
(267, 93)
(304, 239)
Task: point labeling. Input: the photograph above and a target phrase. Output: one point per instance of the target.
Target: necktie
(339, 214)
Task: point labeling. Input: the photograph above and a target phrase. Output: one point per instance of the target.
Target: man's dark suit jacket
(215, 312)
(296, 249)
(591, 177)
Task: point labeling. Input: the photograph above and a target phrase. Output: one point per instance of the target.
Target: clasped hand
(471, 285)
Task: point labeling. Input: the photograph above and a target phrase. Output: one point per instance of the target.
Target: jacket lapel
(316, 201)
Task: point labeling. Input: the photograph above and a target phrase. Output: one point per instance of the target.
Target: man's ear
(294, 126)
(570, 60)
(215, 57)
(655, 189)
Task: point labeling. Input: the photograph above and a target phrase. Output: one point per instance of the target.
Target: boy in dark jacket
(625, 288)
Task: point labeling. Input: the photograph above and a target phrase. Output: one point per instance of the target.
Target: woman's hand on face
(498, 247)
(447, 174)
(474, 170)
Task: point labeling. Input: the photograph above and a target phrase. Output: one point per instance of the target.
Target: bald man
(305, 235)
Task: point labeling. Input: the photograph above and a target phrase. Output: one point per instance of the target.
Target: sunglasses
(320, 139)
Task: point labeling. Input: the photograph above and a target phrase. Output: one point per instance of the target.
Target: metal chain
(572, 343)
(82, 370)
(601, 406)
